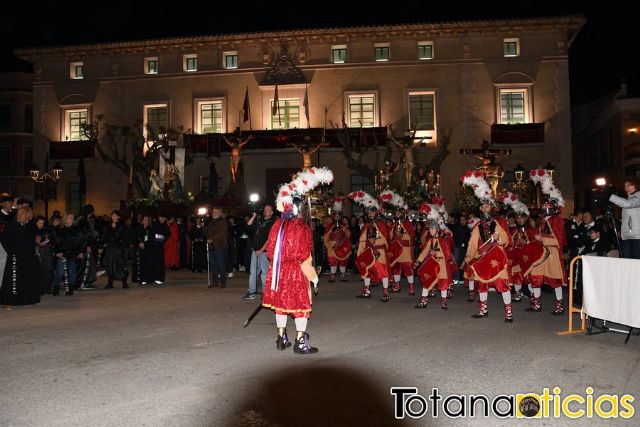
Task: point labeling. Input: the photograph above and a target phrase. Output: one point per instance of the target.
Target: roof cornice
(571, 23)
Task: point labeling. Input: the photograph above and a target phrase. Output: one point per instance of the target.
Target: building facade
(471, 78)
(606, 140)
(16, 133)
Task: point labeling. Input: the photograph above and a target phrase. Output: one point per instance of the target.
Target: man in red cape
(403, 233)
(375, 235)
(337, 240)
(439, 246)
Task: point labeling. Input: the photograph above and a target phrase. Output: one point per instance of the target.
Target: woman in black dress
(45, 256)
(113, 257)
(198, 237)
(21, 282)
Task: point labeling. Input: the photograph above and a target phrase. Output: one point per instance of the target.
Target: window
(339, 54)
(422, 115)
(288, 115)
(151, 65)
(155, 120)
(511, 47)
(210, 117)
(425, 50)
(382, 51)
(190, 62)
(76, 70)
(360, 183)
(5, 114)
(73, 121)
(6, 157)
(75, 199)
(230, 60)
(362, 110)
(28, 118)
(514, 106)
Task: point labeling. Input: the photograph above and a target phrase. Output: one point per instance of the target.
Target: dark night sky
(601, 55)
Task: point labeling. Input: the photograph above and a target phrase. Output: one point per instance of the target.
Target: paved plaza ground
(177, 355)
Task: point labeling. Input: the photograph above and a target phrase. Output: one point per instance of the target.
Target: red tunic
(405, 234)
(293, 293)
(171, 245)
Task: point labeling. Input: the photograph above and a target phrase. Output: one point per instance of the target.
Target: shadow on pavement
(317, 396)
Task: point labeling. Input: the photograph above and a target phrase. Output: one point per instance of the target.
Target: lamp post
(44, 178)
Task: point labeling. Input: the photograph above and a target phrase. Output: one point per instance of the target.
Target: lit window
(74, 119)
(76, 70)
(230, 59)
(210, 117)
(514, 106)
(422, 115)
(362, 110)
(511, 47)
(156, 122)
(425, 50)
(288, 114)
(151, 65)
(190, 62)
(339, 54)
(381, 51)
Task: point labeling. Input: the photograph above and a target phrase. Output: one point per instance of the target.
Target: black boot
(124, 280)
(110, 284)
(302, 345)
(55, 292)
(68, 291)
(282, 342)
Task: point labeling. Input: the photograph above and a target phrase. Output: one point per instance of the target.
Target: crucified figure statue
(236, 147)
(407, 148)
(493, 172)
(306, 153)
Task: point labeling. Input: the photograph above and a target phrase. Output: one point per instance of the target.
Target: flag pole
(249, 109)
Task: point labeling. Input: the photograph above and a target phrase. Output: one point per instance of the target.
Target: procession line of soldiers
(497, 256)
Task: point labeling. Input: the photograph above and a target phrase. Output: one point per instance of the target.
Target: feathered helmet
(393, 199)
(475, 179)
(431, 214)
(337, 203)
(364, 199)
(438, 202)
(290, 195)
(553, 195)
(512, 201)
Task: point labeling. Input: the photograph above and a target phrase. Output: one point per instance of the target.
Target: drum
(533, 254)
(343, 250)
(365, 261)
(394, 251)
(490, 264)
(428, 272)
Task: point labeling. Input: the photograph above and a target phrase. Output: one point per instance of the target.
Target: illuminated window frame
(382, 52)
(190, 63)
(73, 118)
(425, 50)
(421, 133)
(511, 47)
(230, 60)
(349, 96)
(151, 65)
(145, 120)
(527, 103)
(199, 103)
(339, 54)
(76, 70)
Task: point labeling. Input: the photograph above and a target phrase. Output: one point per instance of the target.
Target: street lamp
(44, 177)
(550, 169)
(519, 172)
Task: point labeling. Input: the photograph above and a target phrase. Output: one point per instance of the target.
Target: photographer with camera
(630, 232)
(259, 260)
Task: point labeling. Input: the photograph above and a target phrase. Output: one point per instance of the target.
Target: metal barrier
(572, 310)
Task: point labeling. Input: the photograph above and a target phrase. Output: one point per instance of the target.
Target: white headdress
(302, 183)
(510, 199)
(546, 182)
(475, 179)
(393, 198)
(364, 199)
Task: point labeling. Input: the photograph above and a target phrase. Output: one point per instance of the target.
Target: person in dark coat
(114, 260)
(21, 281)
(218, 246)
(69, 249)
(182, 247)
(88, 265)
(43, 247)
(198, 237)
(152, 245)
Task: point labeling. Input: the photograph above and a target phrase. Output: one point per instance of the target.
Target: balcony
(527, 133)
(69, 150)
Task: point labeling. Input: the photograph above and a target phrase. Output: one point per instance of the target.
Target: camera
(253, 204)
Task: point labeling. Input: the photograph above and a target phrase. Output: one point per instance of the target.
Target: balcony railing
(528, 133)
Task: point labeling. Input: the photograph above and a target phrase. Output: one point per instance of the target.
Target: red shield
(394, 251)
(343, 249)
(428, 272)
(365, 261)
(533, 254)
(490, 264)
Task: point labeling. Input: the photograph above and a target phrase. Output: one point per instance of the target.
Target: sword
(208, 273)
(313, 250)
(254, 314)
